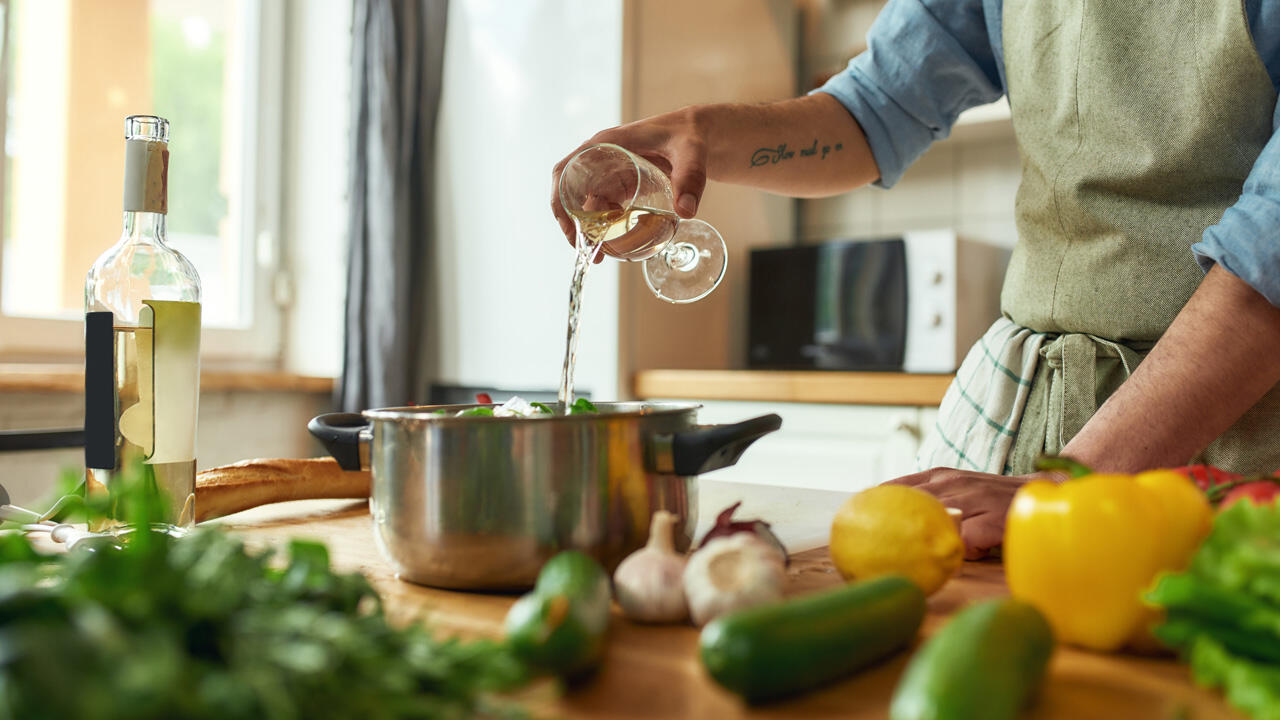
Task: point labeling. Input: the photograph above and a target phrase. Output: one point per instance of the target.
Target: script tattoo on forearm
(775, 155)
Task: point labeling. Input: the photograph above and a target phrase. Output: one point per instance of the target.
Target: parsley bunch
(152, 626)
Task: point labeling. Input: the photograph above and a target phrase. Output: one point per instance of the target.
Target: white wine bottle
(142, 342)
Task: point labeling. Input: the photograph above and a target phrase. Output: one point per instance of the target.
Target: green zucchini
(773, 651)
(560, 626)
(984, 664)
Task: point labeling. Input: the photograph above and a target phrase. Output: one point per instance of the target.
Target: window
(72, 71)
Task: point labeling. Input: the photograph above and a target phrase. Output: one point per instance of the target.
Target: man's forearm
(1218, 358)
(804, 147)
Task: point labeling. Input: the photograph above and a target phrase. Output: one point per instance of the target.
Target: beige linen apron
(1137, 122)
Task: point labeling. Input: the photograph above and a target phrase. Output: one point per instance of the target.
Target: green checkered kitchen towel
(979, 415)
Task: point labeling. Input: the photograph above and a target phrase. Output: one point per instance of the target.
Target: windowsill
(49, 377)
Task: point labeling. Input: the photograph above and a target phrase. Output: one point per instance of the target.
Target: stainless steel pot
(483, 502)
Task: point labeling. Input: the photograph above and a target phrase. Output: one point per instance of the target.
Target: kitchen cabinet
(833, 31)
(841, 431)
(826, 447)
(678, 53)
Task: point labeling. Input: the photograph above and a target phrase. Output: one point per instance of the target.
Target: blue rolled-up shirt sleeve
(926, 62)
(1246, 242)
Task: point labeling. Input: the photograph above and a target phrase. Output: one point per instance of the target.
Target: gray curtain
(397, 67)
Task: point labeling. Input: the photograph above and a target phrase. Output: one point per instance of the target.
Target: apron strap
(1072, 358)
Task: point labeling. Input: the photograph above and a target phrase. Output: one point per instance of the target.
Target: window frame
(46, 339)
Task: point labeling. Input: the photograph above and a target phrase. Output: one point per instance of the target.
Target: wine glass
(624, 203)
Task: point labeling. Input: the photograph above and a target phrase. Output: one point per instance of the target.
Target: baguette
(250, 483)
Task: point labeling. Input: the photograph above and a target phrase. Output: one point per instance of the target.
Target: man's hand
(982, 499)
(672, 141)
(808, 146)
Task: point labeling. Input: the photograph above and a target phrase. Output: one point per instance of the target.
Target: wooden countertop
(866, 388)
(654, 672)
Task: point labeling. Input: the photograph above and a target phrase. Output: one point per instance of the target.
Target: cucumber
(985, 664)
(773, 651)
(560, 626)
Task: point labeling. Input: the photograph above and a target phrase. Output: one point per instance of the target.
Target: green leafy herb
(477, 412)
(543, 408)
(582, 405)
(153, 626)
(1243, 551)
(1223, 613)
(1046, 463)
(1251, 686)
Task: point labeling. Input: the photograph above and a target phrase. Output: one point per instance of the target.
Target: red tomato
(1260, 492)
(1208, 476)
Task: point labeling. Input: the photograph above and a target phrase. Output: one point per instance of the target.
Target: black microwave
(834, 306)
(912, 303)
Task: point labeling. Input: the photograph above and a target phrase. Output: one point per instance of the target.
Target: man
(1148, 221)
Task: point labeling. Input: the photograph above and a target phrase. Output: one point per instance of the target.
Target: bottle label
(99, 391)
(162, 421)
(146, 176)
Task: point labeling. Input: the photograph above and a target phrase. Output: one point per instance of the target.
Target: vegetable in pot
(732, 573)
(517, 406)
(582, 406)
(649, 582)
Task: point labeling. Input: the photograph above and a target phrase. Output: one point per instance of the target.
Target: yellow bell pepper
(1083, 551)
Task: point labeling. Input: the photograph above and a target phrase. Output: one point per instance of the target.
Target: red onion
(725, 525)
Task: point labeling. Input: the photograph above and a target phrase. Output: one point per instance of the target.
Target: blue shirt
(929, 60)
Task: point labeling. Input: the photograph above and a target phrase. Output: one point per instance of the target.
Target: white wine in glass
(624, 203)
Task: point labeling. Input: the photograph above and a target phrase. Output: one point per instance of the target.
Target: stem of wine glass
(681, 257)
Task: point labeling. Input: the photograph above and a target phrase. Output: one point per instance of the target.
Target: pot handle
(342, 434)
(710, 447)
(41, 439)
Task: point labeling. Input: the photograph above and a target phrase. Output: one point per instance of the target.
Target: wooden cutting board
(654, 672)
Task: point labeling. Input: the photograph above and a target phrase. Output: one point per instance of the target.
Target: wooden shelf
(865, 388)
(25, 377)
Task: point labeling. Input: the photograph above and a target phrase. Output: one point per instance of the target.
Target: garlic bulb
(648, 583)
(732, 573)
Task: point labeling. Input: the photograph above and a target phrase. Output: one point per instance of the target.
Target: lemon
(896, 529)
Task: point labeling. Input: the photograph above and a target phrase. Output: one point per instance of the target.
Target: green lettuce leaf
(1250, 686)
(1242, 552)
(1223, 613)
